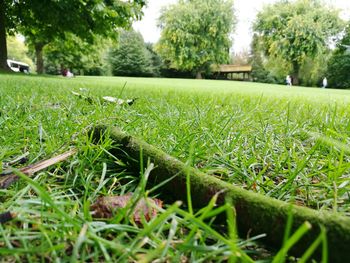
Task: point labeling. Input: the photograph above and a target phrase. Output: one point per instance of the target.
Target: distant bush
(175, 73)
(339, 71)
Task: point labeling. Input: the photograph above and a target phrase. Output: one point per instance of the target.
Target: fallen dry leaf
(107, 206)
(113, 100)
(119, 101)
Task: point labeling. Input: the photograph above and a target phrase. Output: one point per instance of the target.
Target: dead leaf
(119, 101)
(107, 206)
(113, 100)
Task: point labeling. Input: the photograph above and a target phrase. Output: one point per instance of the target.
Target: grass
(288, 143)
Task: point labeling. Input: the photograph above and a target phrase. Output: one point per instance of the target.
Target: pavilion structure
(236, 72)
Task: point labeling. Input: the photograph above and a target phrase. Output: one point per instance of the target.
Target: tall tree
(296, 30)
(258, 60)
(130, 57)
(339, 64)
(156, 60)
(196, 34)
(42, 21)
(4, 23)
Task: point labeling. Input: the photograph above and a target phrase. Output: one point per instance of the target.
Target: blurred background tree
(196, 34)
(130, 56)
(298, 34)
(44, 21)
(78, 56)
(338, 72)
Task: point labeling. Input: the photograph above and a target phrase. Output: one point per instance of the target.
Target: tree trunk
(256, 214)
(295, 74)
(39, 57)
(3, 46)
(199, 75)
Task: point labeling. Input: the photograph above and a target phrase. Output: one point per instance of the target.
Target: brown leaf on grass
(107, 206)
(119, 101)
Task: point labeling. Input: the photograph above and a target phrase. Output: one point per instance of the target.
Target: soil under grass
(287, 143)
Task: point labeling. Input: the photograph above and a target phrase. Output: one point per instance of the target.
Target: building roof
(229, 68)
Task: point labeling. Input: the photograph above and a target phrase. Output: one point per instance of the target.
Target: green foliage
(338, 71)
(261, 74)
(156, 60)
(261, 68)
(75, 54)
(50, 19)
(344, 45)
(130, 57)
(339, 64)
(195, 34)
(295, 31)
(314, 69)
(42, 22)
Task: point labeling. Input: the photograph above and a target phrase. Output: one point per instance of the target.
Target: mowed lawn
(288, 143)
(259, 136)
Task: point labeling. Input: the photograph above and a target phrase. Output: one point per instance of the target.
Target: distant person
(324, 82)
(289, 80)
(69, 74)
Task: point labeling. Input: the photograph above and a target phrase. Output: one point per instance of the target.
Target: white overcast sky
(246, 11)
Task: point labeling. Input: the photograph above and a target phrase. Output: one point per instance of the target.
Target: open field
(287, 143)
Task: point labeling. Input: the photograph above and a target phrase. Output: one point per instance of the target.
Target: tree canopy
(130, 57)
(296, 31)
(339, 64)
(76, 55)
(42, 21)
(196, 34)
